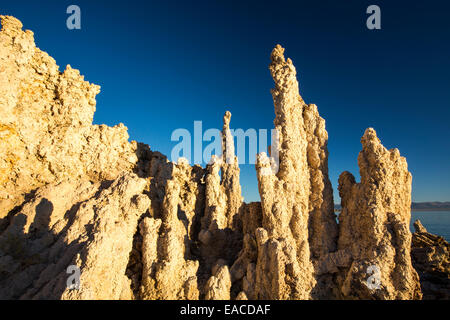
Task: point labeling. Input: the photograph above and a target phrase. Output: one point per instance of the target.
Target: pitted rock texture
(88, 225)
(166, 256)
(298, 218)
(220, 237)
(138, 226)
(218, 286)
(46, 131)
(193, 225)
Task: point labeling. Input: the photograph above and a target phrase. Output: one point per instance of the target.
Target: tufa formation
(141, 227)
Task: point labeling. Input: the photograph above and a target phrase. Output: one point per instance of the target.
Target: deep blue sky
(164, 64)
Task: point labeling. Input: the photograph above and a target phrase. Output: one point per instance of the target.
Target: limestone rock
(168, 236)
(46, 131)
(419, 227)
(323, 230)
(169, 256)
(296, 200)
(86, 225)
(202, 227)
(219, 285)
(374, 225)
(220, 236)
(139, 226)
(149, 229)
(431, 258)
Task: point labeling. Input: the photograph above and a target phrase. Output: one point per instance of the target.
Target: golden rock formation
(141, 227)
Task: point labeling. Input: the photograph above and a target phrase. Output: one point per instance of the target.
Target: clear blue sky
(164, 64)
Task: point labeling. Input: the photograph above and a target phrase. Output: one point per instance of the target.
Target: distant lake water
(436, 222)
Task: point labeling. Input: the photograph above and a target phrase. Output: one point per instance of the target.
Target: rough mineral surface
(220, 235)
(85, 224)
(77, 196)
(298, 221)
(431, 258)
(374, 225)
(46, 126)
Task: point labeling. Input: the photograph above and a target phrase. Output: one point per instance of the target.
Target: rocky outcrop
(431, 258)
(298, 224)
(374, 226)
(166, 253)
(78, 196)
(88, 225)
(218, 286)
(220, 236)
(283, 268)
(192, 229)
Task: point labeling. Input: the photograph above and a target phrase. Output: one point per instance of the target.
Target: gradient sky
(164, 64)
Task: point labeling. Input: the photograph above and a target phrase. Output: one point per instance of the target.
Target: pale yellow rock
(220, 234)
(374, 225)
(431, 258)
(418, 226)
(241, 296)
(323, 229)
(85, 225)
(150, 231)
(171, 252)
(46, 131)
(219, 285)
(142, 227)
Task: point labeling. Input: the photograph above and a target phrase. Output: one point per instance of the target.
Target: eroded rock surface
(138, 226)
(46, 130)
(220, 236)
(374, 226)
(431, 258)
(87, 225)
(298, 224)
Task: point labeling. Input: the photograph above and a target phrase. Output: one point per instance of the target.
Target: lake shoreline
(433, 209)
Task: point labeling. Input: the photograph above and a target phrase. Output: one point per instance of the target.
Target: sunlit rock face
(374, 225)
(138, 226)
(431, 258)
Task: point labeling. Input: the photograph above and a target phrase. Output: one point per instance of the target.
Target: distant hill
(430, 206)
(419, 206)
